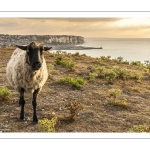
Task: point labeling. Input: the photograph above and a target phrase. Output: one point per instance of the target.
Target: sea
(130, 49)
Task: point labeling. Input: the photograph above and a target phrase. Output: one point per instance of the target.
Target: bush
(114, 93)
(46, 125)
(68, 63)
(75, 82)
(121, 73)
(4, 93)
(74, 108)
(137, 63)
(116, 99)
(110, 75)
(91, 77)
(136, 75)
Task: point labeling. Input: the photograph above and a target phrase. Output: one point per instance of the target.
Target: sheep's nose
(36, 65)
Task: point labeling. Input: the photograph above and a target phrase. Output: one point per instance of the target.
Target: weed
(46, 125)
(4, 93)
(74, 108)
(139, 128)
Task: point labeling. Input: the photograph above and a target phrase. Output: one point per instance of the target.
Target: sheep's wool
(20, 74)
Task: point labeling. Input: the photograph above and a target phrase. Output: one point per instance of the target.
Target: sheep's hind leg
(35, 119)
(22, 103)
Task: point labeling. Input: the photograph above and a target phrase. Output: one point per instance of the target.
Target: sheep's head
(34, 54)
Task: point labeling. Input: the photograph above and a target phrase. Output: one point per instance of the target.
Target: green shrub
(110, 75)
(136, 75)
(46, 125)
(4, 93)
(75, 82)
(105, 59)
(137, 63)
(114, 93)
(126, 62)
(121, 73)
(139, 128)
(68, 63)
(91, 77)
(116, 99)
(120, 102)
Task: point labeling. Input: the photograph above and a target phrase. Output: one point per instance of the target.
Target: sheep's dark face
(34, 54)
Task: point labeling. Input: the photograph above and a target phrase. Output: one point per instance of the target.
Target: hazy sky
(86, 27)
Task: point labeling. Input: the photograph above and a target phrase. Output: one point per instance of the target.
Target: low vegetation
(116, 98)
(46, 125)
(82, 94)
(66, 62)
(75, 82)
(139, 128)
(4, 93)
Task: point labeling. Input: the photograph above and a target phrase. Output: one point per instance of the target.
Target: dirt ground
(97, 115)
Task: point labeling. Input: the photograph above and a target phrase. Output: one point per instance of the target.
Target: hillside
(85, 94)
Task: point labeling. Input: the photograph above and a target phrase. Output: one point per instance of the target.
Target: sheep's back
(20, 74)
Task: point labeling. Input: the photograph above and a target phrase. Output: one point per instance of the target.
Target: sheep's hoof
(35, 119)
(21, 118)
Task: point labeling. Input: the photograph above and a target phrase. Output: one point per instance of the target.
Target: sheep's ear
(22, 47)
(47, 48)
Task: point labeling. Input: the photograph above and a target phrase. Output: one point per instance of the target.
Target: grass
(4, 93)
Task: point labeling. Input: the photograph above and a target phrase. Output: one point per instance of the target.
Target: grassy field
(82, 94)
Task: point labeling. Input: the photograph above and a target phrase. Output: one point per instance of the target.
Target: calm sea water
(137, 49)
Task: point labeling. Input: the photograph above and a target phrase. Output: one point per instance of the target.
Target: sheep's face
(34, 54)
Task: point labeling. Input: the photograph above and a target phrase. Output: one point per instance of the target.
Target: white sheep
(27, 72)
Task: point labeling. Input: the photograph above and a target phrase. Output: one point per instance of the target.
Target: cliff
(45, 39)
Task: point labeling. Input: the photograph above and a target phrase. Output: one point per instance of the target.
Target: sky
(130, 27)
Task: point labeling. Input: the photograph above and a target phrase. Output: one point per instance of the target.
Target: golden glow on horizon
(133, 21)
(136, 27)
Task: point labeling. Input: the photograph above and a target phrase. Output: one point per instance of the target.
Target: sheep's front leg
(22, 103)
(35, 119)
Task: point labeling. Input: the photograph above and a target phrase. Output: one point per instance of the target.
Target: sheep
(26, 71)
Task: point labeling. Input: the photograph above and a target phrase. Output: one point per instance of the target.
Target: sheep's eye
(41, 50)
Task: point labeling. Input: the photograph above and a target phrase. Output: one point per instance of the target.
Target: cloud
(90, 27)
